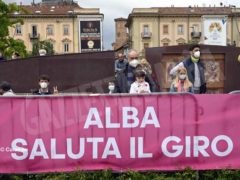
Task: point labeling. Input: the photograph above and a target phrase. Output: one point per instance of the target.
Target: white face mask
(111, 87)
(182, 76)
(197, 54)
(134, 63)
(43, 85)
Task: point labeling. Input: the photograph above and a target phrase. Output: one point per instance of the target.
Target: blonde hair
(145, 65)
(187, 84)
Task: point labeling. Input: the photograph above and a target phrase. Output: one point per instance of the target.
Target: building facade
(169, 26)
(121, 33)
(68, 27)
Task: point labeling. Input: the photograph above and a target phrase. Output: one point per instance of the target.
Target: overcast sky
(121, 8)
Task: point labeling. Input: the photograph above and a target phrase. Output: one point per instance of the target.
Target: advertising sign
(90, 36)
(215, 30)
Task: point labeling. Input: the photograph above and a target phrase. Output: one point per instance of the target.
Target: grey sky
(121, 8)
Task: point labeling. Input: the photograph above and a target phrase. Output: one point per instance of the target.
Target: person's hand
(55, 90)
(143, 91)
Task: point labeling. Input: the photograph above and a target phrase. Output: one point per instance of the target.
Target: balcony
(146, 35)
(34, 36)
(196, 34)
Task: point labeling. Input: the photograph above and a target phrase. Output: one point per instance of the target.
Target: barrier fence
(119, 132)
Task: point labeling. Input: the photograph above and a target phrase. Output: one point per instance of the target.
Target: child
(181, 83)
(140, 85)
(111, 87)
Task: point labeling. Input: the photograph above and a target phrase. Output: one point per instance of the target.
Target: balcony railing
(196, 34)
(34, 36)
(146, 34)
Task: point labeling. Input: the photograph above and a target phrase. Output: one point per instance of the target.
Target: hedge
(187, 174)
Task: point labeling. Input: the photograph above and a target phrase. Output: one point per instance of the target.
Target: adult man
(120, 63)
(6, 89)
(125, 78)
(44, 82)
(195, 69)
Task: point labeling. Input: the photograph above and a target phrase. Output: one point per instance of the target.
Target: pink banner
(143, 132)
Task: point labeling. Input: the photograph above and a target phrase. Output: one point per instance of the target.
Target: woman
(181, 82)
(146, 66)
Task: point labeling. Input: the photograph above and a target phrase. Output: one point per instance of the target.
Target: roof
(120, 19)
(51, 9)
(195, 10)
(183, 11)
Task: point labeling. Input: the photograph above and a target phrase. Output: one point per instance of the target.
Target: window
(66, 47)
(18, 29)
(49, 30)
(34, 30)
(180, 29)
(165, 44)
(165, 29)
(65, 30)
(145, 29)
(118, 34)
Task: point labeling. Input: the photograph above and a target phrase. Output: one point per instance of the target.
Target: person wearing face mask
(44, 82)
(111, 87)
(125, 78)
(195, 69)
(181, 83)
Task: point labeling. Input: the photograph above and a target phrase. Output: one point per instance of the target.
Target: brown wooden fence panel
(222, 68)
(86, 72)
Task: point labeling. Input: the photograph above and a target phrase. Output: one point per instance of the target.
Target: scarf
(180, 87)
(194, 60)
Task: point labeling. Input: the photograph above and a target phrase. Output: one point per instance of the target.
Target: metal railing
(235, 92)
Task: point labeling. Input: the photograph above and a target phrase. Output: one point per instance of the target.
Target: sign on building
(90, 36)
(214, 30)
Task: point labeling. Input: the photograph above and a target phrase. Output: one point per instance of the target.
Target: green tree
(7, 44)
(46, 44)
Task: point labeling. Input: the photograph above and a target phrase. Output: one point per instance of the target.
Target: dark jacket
(38, 92)
(121, 83)
(189, 65)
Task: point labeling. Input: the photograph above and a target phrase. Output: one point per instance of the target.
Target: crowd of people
(43, 82)
(134, 75)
